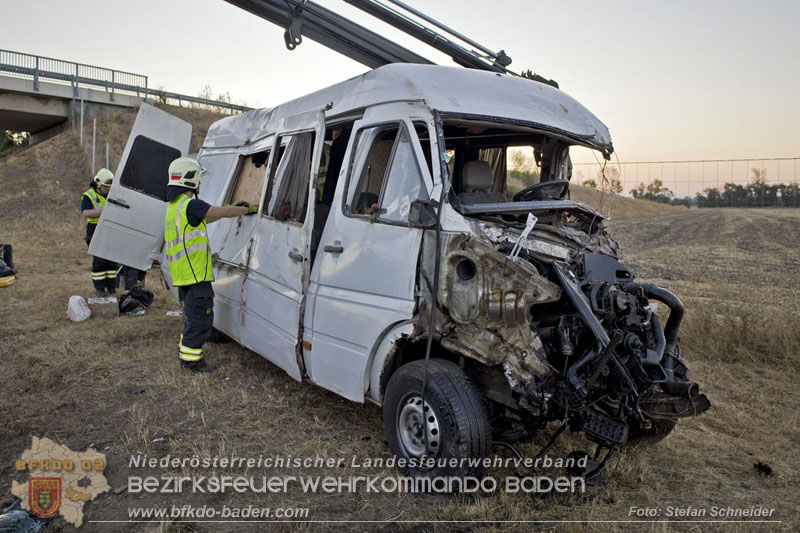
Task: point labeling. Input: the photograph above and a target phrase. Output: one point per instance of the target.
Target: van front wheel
(450, 424)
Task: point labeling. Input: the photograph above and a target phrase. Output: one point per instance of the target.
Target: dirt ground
(114, 384)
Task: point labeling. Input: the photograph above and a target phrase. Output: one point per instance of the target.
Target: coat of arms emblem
(45, 495)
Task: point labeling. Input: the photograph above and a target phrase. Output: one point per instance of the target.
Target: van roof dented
(449, 90)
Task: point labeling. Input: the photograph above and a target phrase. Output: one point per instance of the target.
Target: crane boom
(303, 18)
(306, 18)
(459, 54)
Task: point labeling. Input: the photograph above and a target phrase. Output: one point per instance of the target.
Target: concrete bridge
(42, 96)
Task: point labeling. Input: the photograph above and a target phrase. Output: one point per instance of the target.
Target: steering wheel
(546, 190)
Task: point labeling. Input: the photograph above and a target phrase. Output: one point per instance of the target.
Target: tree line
(756, 193)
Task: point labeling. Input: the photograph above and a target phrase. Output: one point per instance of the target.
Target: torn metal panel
(537, 242)
(484, 305)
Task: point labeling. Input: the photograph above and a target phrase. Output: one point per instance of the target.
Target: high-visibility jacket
(187, 248)
(98, 201)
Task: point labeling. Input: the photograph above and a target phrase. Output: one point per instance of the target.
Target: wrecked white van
(394, 259)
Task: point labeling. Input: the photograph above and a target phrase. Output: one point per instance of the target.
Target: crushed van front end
(554, 328)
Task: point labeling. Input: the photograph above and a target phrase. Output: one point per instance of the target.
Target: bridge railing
(69, 73)
(76, 75)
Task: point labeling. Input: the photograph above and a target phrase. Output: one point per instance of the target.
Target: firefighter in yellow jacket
(189, 256)
(104, 272)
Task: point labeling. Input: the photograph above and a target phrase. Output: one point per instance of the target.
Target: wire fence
(764, 182)
(93, 141)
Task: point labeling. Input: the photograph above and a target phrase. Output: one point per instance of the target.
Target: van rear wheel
(451, 423)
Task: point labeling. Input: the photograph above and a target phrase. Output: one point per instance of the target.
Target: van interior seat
(478, 180)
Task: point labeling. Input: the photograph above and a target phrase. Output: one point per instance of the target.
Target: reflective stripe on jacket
(97, 200)
(187, 248)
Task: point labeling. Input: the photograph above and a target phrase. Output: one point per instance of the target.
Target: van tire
(459, 414)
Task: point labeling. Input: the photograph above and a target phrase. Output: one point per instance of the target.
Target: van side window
(404, 182)
(250, 178)
(147, 165)
(370, 181)
(292, 178)
(390, 177)
(425, 143)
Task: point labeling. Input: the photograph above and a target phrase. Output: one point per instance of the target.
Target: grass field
(614, 206)
(115, 385)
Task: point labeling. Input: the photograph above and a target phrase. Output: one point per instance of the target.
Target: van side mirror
(422, 213)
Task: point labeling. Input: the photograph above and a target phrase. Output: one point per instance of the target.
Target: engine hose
(661, 340)
(581, 386)
(682, 389)
(578, 384)
(672, 386)
(654, 292)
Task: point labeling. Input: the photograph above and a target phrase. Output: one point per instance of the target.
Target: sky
(676, 80)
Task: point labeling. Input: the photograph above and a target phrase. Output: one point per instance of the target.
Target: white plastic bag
(77, 309)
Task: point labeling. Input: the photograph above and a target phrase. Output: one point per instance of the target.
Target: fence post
(747, 193)
(81, 121)
(94, 141)
(36, 75)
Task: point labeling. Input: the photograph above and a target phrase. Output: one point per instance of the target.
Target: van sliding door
(274, 287)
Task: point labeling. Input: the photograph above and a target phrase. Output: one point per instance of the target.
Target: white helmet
(104, 177)
(185, 172)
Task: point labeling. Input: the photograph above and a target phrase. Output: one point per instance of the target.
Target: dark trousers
(104, 272)
(6, 255)
(132, 276)
(198, 319)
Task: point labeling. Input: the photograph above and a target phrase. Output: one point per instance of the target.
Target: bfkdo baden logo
(44, 494)
(61, 481)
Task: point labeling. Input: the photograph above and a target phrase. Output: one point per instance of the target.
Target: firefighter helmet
(104, 178)
(185, 172)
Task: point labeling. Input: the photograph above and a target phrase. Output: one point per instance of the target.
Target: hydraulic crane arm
(305, 18)
(491, 61)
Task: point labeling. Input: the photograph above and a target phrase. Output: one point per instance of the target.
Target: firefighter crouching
(104, 272)
(189, 256)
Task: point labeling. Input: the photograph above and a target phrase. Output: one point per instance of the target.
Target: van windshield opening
(493, 163)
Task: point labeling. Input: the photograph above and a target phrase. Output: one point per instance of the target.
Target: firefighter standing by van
(189, 256)
(104, 272)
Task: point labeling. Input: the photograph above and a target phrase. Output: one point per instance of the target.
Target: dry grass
(613, 205)
(114, 384)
